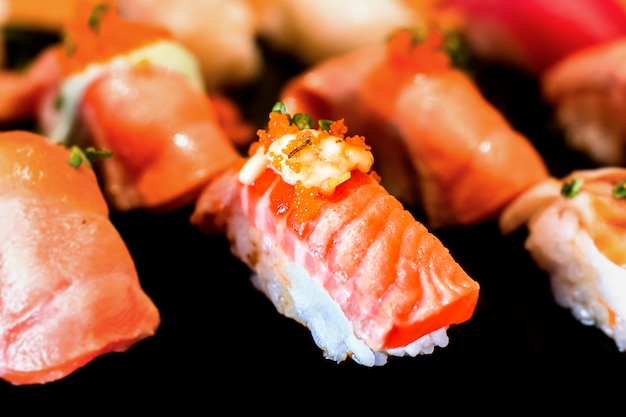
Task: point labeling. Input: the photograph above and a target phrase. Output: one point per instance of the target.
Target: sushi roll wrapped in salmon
(576, 234)
(331, 248)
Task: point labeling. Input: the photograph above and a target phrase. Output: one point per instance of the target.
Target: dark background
(222, 345)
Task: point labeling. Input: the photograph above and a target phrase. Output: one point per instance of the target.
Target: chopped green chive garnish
(572, 188)
(79, 156)
(69, 45)
(619, 191)
(279, 108)
(59, 101)
(325, 124)
(302, 121)
(458, 51)
(96, 16)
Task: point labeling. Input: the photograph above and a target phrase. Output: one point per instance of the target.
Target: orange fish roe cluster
(303, 199)
(276, 161)
(277, 127)
(305, 205)
(302, 140)
(406, 53)
(338, 128)
(358, 141)
(97, 34)
(295, 165)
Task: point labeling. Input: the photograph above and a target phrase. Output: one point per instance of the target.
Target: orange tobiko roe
(279, 126)
(95, 33)
(405, 53)
(301, 202)
(406, 57)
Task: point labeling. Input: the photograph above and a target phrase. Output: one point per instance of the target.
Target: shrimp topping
(310, 158)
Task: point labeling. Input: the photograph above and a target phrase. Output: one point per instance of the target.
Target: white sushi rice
(297, 296)
(581, 277)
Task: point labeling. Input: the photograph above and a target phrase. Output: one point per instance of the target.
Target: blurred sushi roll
(313, 31)
(587, 94)
(534, 34)
(577, 234)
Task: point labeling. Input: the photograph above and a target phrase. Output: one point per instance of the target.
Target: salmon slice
(470, 161)
(150, 111)
(390, 281)
(69, 290)
(165, 134)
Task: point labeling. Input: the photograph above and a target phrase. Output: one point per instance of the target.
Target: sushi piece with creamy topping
(331, 248)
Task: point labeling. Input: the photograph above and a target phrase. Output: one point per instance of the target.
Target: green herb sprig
(301, 120)
(570, 189)
(619, 191)
(98, 11)
(79, 156)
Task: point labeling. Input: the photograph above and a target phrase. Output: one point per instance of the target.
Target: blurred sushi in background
(576, 234)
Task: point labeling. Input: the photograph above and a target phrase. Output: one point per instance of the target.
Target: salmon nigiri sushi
(439, 143)
(69, 290)
(331, 248)
(576, 234)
